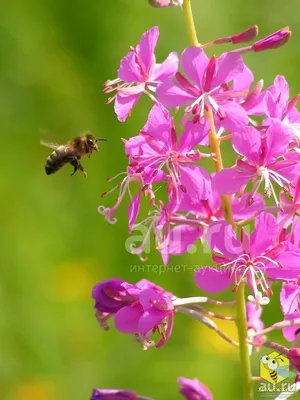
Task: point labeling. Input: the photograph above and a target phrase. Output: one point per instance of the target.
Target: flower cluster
(191, 389)
(199, 102)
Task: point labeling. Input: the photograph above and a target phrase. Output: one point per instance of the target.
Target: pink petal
(194, 135)
(212, 280)
(158, 126)
(289, 170)
(171, 95)
(243, 81)
(229, 180)
(290, 260)
(229, 65)
(129, 70)
(290, 270)
(146, 46)
(242, 209)
(277, 141)
(272, 108)
(166, 70)
(282, 88)
(264, 234)
(289, 298)
(297, 193)
(194, 62)
(290, 332)
(148, 295)
(296, 232)
(196, 181)
(135, 146)
(181, 238)
(150, 319)
(222, 239)
(127, 319)
(247, 142)
(236, 117)
(124, 105)
(133, 210)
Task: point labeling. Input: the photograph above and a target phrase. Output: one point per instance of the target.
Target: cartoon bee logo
(274, 367)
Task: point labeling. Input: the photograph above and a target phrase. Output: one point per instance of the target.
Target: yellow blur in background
(55, 55)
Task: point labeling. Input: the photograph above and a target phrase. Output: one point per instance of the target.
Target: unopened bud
(165, 3)
(294, 357)
(242, 37)
(245, 36)
(273, 41)
(111, 394)
(192, 389)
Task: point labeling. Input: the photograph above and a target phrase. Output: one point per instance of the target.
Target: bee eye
(90, 142)
(272, 364)
(265, 359)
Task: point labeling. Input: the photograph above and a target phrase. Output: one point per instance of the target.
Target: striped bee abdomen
(56, 160)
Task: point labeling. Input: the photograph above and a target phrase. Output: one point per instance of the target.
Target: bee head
(92, 142)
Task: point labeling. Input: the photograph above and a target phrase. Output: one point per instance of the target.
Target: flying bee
(71, 153)
(274, 369)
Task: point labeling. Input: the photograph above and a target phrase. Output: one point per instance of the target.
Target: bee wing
(53, 146)
(283, 371)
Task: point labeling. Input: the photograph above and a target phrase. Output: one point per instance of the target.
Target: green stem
(241, 322)
(241, 319)
(187, 9)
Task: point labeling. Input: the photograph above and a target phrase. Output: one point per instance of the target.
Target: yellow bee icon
(274, 367)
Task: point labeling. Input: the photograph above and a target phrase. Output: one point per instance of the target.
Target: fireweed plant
(218, 100)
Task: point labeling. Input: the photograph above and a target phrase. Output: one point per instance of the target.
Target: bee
(274, 369)
(71, 153)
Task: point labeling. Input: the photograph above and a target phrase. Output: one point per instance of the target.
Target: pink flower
(192, 389)
(139, 73)
(157, 147)
(252, 259)
(208, 84)
(153, 312)
(261, 162)
(278, 107)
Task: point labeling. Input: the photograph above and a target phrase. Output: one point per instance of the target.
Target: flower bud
(113, 394)
(111, 295)
(245, 36)
(165, 3)
(192, 389)
(294, 357)
(273, 41)
(242, 37)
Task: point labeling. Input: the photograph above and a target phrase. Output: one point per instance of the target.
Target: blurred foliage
(55, 55)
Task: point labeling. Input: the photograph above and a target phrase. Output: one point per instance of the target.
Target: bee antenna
(101, 140)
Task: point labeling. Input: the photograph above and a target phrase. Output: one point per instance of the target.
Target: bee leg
(77, 165)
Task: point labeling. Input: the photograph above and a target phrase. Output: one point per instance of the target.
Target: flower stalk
(189, 19)
(214, 142)
(241, 323)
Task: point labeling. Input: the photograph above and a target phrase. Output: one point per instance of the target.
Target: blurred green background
(55, 55)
